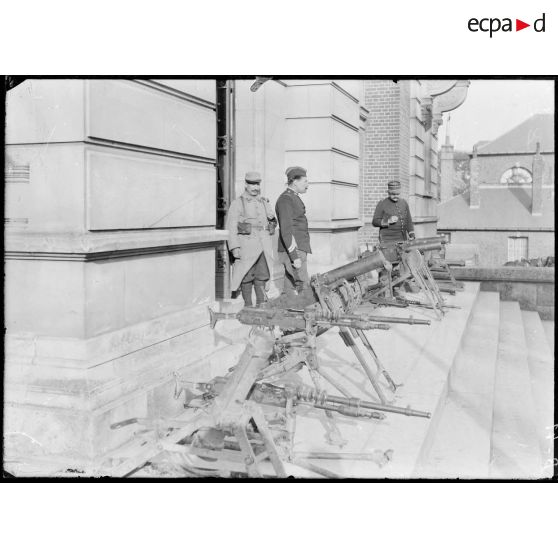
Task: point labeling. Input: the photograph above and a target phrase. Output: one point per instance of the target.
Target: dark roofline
(511, 153)
(545, 115)
(497, 229)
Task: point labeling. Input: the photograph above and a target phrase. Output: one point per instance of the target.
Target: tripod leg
(269, 443)
(366, 342)
(349, 341)
(333, 434)
(247, 452)
(415, 263)
(290, 413)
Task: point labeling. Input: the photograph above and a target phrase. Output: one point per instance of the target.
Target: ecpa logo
(494, 24)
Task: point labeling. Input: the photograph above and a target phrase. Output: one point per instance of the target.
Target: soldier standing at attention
(251, 225)
(393, 216)
(294, 238)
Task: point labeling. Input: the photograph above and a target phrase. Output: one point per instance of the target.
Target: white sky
(493, 107)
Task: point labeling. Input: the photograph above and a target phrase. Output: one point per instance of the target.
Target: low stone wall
(532, 287)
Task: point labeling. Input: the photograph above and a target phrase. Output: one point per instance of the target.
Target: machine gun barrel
(354, 323)
(294, 319)
(380, 407)
(426, 304)
(352, 269)
(395, 320)
(428, 240)
(349, 406)
(424, 244)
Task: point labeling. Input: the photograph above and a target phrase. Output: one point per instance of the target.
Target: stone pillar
(259, 145)
(474, 194)
(538, 168)
(447, 172)
(110, 257)
(322, 135)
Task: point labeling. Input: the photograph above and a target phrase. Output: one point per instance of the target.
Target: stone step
(461, 447)
(541, 366)
(549, 332)
(515, 451)
(419, 356)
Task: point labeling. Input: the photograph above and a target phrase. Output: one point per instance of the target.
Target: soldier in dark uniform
(294, 238)
(393, 216)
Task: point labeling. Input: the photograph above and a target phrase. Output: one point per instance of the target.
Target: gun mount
(409, 267)
(232, 425)
(245, 422)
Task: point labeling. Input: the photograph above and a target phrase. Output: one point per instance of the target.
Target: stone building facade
(115, 197)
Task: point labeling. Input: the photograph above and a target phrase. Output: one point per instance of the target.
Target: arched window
(516, 176)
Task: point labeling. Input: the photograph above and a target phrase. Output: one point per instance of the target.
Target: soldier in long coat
(251, 225)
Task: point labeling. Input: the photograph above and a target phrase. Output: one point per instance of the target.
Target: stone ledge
(101, 245)
(334, 226)
(519, 274)
(73, 353)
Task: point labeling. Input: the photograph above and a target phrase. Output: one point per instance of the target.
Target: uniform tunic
(256, 211)
(395, 232)
(293, 225)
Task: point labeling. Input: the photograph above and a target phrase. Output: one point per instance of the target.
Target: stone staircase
(485, 372)
(497, 417)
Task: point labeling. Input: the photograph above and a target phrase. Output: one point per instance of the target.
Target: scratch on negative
(47, 141)
(190, 136)
(26, 435)
(171, 212)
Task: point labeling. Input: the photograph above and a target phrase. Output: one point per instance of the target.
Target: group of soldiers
(251, 224)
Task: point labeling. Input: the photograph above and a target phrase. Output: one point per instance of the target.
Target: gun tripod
(412, 266)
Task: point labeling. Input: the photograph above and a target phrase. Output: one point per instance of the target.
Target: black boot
(246, 289)
(259, 287)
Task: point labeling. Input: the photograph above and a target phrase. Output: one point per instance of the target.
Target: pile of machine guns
(244, 423)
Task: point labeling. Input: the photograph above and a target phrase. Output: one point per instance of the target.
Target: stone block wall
(533, 288)
(322, 135)
(110, 255)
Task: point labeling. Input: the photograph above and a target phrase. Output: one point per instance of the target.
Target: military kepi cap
(394, 186)
(253, 177)
(295, 172)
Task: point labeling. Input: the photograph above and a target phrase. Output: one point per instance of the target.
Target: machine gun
(441, 271)
(228, 427)
(408, 265)
(333, 297)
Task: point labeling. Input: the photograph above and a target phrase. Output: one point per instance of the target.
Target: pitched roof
(500, 208)
(524, 137)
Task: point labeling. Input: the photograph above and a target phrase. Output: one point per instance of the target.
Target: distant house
(508, 213)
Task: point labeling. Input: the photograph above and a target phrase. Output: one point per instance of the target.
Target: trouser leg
(259, 287)
(261, 277)
(257, 276)
(295, 279)
(246, 289)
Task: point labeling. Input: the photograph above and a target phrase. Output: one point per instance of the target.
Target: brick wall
(386, 147)
(532, 287)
